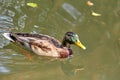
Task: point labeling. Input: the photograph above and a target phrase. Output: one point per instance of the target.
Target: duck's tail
(9, 36)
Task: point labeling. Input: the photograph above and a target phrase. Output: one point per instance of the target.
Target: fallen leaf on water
(95, 14)
(79, 69)
(89, 3)
(34, 5)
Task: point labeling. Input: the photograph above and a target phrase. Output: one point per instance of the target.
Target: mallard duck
(45, 45)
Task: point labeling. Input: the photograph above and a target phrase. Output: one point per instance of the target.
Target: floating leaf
(95, 14)
(89, 3)
(32, 5)
(76, 70)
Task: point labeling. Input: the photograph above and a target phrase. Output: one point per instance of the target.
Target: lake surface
(100, 35)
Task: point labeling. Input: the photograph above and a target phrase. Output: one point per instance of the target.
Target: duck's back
(52, 40)
(23, 38)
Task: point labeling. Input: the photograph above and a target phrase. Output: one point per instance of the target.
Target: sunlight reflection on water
(3, 69)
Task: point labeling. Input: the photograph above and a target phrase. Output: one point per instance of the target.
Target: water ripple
(71, 10)
(3, 69)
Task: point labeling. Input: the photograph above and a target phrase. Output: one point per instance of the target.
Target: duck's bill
(79, 44)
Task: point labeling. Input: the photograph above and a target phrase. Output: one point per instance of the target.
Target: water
(101, 36)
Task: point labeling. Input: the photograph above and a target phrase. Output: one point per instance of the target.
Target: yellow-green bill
(79, 44)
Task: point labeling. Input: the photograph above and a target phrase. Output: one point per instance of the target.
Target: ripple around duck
(6, 23)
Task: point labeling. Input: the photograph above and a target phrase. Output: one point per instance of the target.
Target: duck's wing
(25, 38)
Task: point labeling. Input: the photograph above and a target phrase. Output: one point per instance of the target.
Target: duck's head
(72, 38)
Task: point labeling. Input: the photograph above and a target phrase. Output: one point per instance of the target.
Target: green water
(100, 34)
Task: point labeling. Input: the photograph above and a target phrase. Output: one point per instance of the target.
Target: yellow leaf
(89, 3)
(96, 14)
(32, 5)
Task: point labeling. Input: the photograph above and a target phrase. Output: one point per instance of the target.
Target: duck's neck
(65, 44)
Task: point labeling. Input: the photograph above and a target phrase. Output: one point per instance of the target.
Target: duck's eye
(69, 35)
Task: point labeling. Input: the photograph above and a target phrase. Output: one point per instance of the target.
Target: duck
(45, 45)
